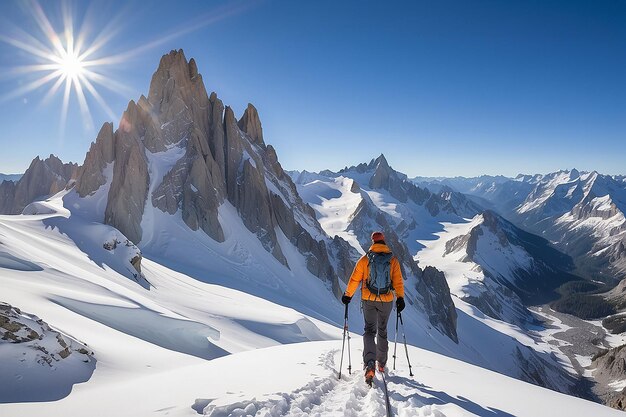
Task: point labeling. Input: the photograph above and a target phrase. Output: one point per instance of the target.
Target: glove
(400, 304)
(345, 299)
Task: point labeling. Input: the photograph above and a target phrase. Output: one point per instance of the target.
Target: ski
(387, 402)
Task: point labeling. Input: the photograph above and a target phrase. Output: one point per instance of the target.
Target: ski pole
(395, 342)
(345, 332)
(348, 335)
(406, 349)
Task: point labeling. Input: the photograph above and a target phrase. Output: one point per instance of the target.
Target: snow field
(185, 347)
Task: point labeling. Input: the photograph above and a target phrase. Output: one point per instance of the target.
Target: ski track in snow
(329, 396)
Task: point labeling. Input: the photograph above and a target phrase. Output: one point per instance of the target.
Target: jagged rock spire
(210, 157)
(42, 178)
(251, 124)
(90, 175)
(382, 174)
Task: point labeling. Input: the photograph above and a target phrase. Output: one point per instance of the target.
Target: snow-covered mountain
(581, 213)
(192, 347)
(497, 267)
(506, 268)
(358, 200)
(181, 155)
(402, 208)
(418, 224)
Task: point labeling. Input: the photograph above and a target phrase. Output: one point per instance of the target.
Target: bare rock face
(195, 185)
(42, 179)
(102, 152)
(129, 187)
(435, 293)
(179, 101)
(251, 124)
(385, 177)
(610, 367)
(187, 118)
(7, 196)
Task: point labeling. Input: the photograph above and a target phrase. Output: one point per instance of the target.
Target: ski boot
(369, 373)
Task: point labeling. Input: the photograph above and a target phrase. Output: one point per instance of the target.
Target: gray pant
(376, 315)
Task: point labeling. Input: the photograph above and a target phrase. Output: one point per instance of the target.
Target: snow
(246, 157)
(556, 326)
(501, 260)
(547, 190)
(460, 275)
(254, 337)
(602, 203)
(91, 207)
(618, 385)
(334, 205)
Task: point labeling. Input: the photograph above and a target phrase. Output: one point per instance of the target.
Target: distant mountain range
(488, 261)
(581, 213)
(10, 177)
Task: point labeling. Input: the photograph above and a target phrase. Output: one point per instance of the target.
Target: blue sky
(442, 88)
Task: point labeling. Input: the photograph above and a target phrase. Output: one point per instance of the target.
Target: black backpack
(379, 278)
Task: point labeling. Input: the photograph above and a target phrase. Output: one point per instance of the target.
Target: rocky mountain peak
(251, 124)
(172, 66)
(177, 104)
(182, 151)
(384, 175)
(43, 177)
(381, 161)
(491, 220)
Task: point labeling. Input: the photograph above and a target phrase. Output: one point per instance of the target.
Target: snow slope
(304, 382)
(182, 347)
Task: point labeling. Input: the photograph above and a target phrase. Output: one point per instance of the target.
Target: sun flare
(72, 61)
(71, 65)
(65, 58)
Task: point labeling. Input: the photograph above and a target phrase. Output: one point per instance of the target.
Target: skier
(379, 274)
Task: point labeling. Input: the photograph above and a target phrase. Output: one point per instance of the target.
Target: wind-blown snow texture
(152, 346)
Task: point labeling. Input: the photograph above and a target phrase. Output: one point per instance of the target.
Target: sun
(65, 57)
(71, 65)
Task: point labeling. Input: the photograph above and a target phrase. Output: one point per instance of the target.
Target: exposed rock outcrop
(433, 288)
(48, 345)
(7, 196)
(38, 357)
(129, 186)
(251, 124)
(90, 175)
(610, 369)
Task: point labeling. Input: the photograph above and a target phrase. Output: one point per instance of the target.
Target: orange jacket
(361, 272)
